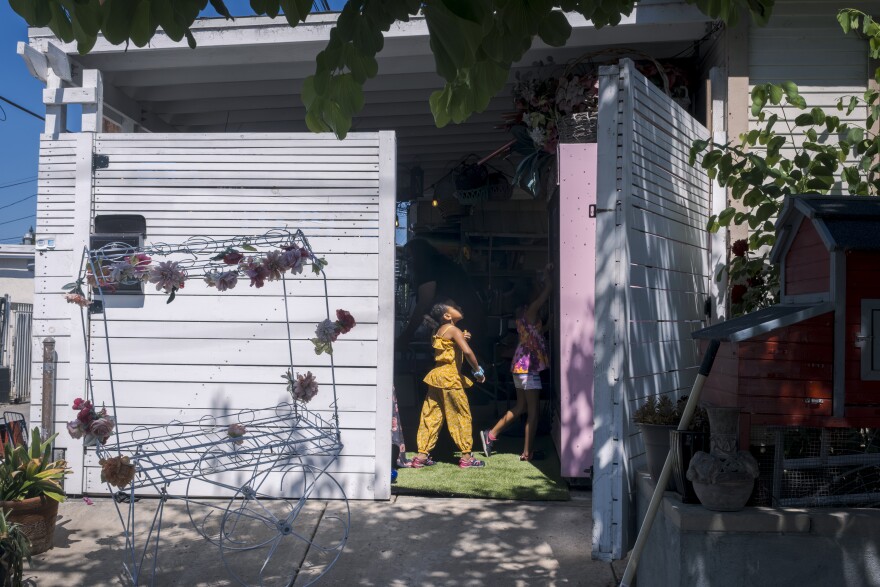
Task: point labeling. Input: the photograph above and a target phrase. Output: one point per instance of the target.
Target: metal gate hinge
(100, 161)
(592, 210)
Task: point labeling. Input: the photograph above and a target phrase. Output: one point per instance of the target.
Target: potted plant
(30, 489)
(658, 420)
(685, 444)
(14, 548)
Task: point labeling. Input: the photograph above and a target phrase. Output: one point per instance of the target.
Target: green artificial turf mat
(503, 477)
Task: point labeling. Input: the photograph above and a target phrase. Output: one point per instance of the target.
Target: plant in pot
(684, 444)
(658, 420)
(30, 489)
(14, 548)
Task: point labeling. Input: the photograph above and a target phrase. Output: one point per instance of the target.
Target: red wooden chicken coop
(812, 360)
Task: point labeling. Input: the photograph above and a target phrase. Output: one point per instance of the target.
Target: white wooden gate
(207, 352)
(652, 281)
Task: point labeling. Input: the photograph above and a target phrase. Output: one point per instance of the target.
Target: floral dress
(531, 352)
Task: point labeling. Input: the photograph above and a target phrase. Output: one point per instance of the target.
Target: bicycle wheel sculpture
(267, 462)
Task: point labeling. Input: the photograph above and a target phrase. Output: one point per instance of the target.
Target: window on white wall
(130, 229)
(869, 339)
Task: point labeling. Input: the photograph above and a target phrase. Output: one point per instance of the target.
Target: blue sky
(20, 132)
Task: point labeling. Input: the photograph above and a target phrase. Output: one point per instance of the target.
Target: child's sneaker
(487, 442)
(466, 463)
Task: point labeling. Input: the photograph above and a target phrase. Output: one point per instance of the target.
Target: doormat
(503, 477)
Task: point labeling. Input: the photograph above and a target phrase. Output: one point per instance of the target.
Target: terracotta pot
(36, 516)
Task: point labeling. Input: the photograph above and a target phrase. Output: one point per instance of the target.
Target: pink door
(577, 279)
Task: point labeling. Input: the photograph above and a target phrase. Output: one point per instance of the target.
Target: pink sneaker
(466, 463)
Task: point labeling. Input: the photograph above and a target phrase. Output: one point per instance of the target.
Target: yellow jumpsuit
(446, 398)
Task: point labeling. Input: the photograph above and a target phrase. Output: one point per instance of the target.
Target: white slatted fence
(652, 281)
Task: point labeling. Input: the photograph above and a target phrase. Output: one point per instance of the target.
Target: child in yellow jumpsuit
(446, 396)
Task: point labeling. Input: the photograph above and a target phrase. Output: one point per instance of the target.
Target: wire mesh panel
(817, 467)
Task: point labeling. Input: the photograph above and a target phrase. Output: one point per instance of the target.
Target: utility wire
(9, 185)
(22, 108)
(17, 219)
(10, 238)
(18, 201)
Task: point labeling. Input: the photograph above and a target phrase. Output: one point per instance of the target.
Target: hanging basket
(500, 188)
(578, 128)
(472, 196)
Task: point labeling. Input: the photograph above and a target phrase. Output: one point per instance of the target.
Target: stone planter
(37, 516)
(723, 478)
(656, 440)
(725, 496)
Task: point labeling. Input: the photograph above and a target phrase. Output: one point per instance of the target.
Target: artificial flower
(292, 259)
(84, 415)
(227, 280)
(168, 276)
(740, 247)
(117, 471)
(345, 321)
(327, 331)
(78, 299)
(257, 273)
(79, 403)
(233, 257)
(102, 428)
(305, 387)
(236, 431)
(74, 428)
(274, 265)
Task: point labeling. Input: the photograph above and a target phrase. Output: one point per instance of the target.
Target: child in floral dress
(529, 360)
(446, 397)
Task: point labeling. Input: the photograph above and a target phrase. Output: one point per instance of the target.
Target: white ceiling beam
(36, 62)
(246, 31)
(59, 62)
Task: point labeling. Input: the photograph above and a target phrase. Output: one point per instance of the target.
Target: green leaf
(454, 41)
(60, 23)
(726, 216)
(221, 9)
(296, 11)
(249, 248)
(818, 115)
(776, 93)
(853, 104)
(554, 29)
(791, 90)
(143, 28)
(118, 16)
(855, 135)
(759, 99)
(805, 119)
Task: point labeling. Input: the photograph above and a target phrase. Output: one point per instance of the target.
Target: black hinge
(97, 307)
(100, 161)
(592, 210)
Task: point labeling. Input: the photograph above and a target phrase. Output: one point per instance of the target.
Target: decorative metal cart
(267, 461)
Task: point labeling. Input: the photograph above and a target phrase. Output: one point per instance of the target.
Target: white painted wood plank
(269, 353)
(652, 223)
(642, 333)
(326, 172)
(136, 399)
(656, 304)
(224, 183)
(665, 279)
(654, 251)
(236, 169)
(219, 201)
(217, 374)
(661, 357)
(174, 150)
(307, 310)
(290, 214)
(353, 138)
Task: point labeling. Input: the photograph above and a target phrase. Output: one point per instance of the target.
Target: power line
(18, 201)
(10, 238)
(22, 108)
(9, 185)
(17, 219)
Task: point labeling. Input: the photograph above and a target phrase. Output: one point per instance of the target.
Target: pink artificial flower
(84, 415)
(274, 265)
(258, 274)
(236, 430)
(78, 403)
(345, 321)
(168, 276)
(75, 429)
(292, 258)
(305, 387)
(102, 428)
(227, 280)
(78, 299)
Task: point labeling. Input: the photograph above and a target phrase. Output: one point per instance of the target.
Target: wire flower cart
(267, 461)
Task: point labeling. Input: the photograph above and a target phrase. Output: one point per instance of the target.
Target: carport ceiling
(246, 75)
